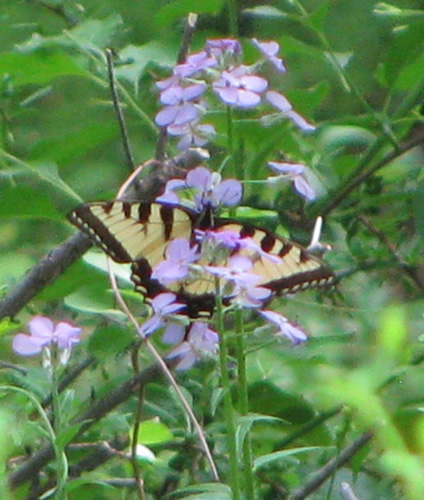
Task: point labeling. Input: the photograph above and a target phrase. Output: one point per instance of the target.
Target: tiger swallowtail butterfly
(139, 233)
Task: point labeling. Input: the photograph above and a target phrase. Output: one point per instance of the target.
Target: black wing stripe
(94, 227)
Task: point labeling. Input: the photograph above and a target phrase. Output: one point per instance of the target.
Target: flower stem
(243, 406)
(61, 459)
(228, 403)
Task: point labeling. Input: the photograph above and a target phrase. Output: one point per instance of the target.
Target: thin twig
(168, 375)
(321, 475)
(136, 427)
(407, 269)
(118, 110)
(362, 176)
(189, 29)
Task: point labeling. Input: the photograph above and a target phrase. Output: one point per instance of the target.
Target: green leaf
(207, 491)
(22, 201)
(138, 58)
(181, 8)
(109, 340)
(279, 455)
(39, 67)
(68, 434)
(94, 299)
(153, 432)
(95, 32)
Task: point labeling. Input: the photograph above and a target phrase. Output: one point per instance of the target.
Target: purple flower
(201, 341)
(179, 106)
(270, 51)
(179, 255)
(213, 192)
(243, 291)
(237, 88)
(164, 306)
(176, 94)
(219, 239)
(43, 333)
(192, 134)
(297, 173)
(285, 328)
(177, 114)
(282, 104)
(195, 63)
(223, 47)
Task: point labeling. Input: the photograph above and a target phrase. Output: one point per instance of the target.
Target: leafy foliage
(354, 390)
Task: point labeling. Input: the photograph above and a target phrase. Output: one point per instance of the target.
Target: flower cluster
(217, 70)
(223, 258)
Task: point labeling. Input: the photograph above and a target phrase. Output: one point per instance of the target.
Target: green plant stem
(232, 18)
(62, 462)
(244, 407)
(228, 403)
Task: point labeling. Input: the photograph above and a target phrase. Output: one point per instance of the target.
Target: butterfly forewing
(139, 233)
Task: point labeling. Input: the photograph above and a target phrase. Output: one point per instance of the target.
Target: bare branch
(321, 475)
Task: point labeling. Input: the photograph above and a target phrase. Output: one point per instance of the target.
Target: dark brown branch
(43, 273)
(96, 412)
(321, 475)
(411, 271)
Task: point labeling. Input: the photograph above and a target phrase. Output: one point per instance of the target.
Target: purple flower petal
(278, 101)
(199, 178)
(195, 63)
(25, 345)
(228, 193)
(222, 46)
(173, 334)
(303, 187)
(66, 335)
(287, 168)
(270, 50)
(300, 122)
(40, 326)
(287, 329)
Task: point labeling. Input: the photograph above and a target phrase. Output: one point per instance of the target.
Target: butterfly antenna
(315, 247)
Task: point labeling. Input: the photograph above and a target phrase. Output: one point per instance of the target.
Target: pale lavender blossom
(201, 341)
(44, 333)
(164, 306)
(270, 51)
(212, 192)
(177, 114)
(194, 63)
(179, 103)
(176, 93)
(282, 104)
(192, 134)
(223, 47)
(243, 291)
(296, 172)
(179, 255)
(293, 332)
(239, 88)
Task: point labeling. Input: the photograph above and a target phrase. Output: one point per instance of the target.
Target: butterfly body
(139, 234)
